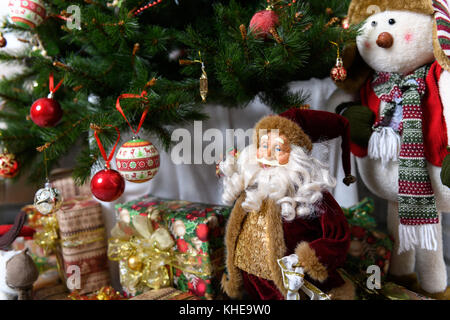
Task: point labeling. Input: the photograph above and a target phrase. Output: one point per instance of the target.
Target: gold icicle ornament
(203, 81)
(203, 84)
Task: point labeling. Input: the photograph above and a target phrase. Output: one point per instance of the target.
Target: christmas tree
(161, 51)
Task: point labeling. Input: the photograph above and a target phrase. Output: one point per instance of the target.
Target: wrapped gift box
(63, 181)
(198, 230)
(393, 291)
(388, 290)
(82, 239)
(165, 294)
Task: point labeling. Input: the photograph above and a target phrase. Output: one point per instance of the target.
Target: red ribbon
(132, 96)
(102, 150)
(51, 81)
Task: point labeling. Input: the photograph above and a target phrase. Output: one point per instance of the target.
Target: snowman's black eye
(391, 21)
(374, 23)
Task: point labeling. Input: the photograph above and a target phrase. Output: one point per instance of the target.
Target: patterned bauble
(27, 13)
(46, 112)
(137, 160)
(9, 167)
(262, 22)
(338, 73)
(48, 199)
(107, 185)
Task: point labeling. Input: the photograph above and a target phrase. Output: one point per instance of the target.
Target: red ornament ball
(182, 245)
(9, 167)
(107, 185)
(338, 73)
(263, 21)
(202, 232)
(200, 288)
(46, 112)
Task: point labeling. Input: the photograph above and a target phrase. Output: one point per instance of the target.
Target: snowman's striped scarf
(417, 204)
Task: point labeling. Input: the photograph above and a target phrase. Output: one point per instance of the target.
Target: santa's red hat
(322, 125)
(8, 233)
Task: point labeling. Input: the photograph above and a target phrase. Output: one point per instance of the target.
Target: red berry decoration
(338, 73)
(263, 21)
(202, 232)
(46, 112)
(200, 288)
(182, 245)
(107, 185)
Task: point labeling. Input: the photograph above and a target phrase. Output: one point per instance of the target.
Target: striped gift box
(83, 243)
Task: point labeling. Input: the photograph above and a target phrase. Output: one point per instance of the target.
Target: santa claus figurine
(283, 209)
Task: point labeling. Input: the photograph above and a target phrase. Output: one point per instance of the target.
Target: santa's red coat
(327, 232)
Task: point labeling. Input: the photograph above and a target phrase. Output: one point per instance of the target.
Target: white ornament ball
(48, 199)
(137, 160)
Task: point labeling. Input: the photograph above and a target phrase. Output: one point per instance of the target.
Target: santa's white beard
(297, 187)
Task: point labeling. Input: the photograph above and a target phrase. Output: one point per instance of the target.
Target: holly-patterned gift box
(198, 230)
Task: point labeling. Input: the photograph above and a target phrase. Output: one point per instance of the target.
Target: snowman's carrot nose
(385, 40)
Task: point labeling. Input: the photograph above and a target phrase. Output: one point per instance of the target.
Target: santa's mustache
(271, 163)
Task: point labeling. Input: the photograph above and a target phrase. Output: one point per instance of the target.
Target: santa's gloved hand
(361, 119)
(445, 171)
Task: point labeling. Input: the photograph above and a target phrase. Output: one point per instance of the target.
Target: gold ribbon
(154, 251)
(48, 237)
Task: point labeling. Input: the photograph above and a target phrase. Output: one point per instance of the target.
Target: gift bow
(152, 248)
(294, 280)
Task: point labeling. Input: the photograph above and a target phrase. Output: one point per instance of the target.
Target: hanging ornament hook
(337, 45)
(143, 96)
(102, 149)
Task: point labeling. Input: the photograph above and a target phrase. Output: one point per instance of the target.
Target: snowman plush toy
(400, 129)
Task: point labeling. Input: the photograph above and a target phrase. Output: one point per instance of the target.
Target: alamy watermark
(374, 280)
(73, 281)
(74, 20)
(209, 146)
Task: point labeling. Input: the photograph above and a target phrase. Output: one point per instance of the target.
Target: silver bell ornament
(48, 199)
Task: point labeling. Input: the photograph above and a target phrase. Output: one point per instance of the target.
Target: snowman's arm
(444, 92)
